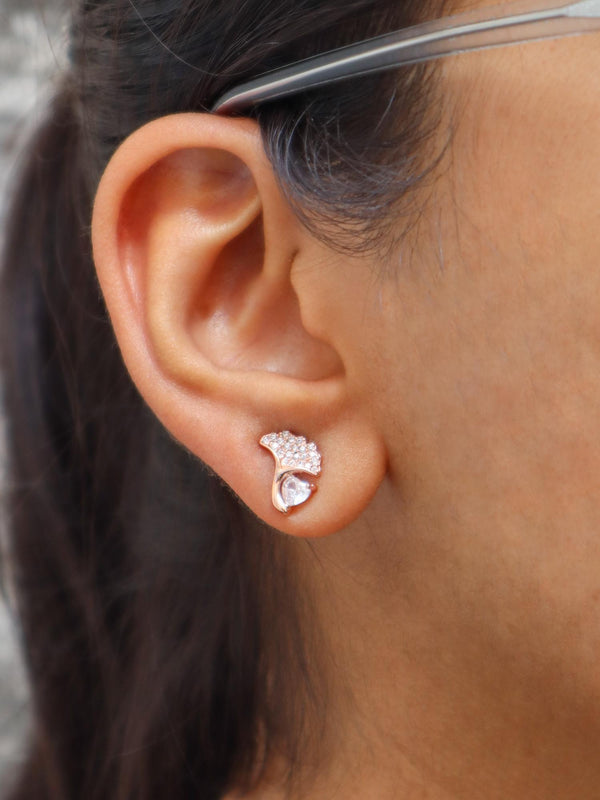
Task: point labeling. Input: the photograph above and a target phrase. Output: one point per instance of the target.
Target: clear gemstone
(294, 490)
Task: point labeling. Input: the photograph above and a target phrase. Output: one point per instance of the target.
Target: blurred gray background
(31, 55)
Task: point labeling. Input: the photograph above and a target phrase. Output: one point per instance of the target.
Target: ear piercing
(294, 456)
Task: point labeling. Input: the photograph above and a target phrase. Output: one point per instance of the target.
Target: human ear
(195, 248)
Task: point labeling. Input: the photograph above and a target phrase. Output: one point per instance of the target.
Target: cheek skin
(527, 144)
(492, 342)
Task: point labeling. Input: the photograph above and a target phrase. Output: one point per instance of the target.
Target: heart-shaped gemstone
(295, 490)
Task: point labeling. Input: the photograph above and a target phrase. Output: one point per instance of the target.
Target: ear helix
(294, 457)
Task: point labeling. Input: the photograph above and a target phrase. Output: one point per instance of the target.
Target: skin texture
(453, 391)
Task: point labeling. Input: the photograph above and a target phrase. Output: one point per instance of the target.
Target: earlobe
(195, 248)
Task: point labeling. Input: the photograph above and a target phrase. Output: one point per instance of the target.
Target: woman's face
(483, 359)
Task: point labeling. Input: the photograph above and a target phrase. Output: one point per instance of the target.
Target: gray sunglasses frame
(478, 29)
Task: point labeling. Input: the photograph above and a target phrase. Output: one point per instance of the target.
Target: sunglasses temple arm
(444, 37)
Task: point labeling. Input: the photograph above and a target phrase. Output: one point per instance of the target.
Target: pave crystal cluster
(293, 454)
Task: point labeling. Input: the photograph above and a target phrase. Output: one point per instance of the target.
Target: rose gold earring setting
(294, 456)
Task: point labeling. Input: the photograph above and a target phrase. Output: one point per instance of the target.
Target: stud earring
(294, 456)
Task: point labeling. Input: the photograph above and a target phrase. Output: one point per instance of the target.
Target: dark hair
(169, 648)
